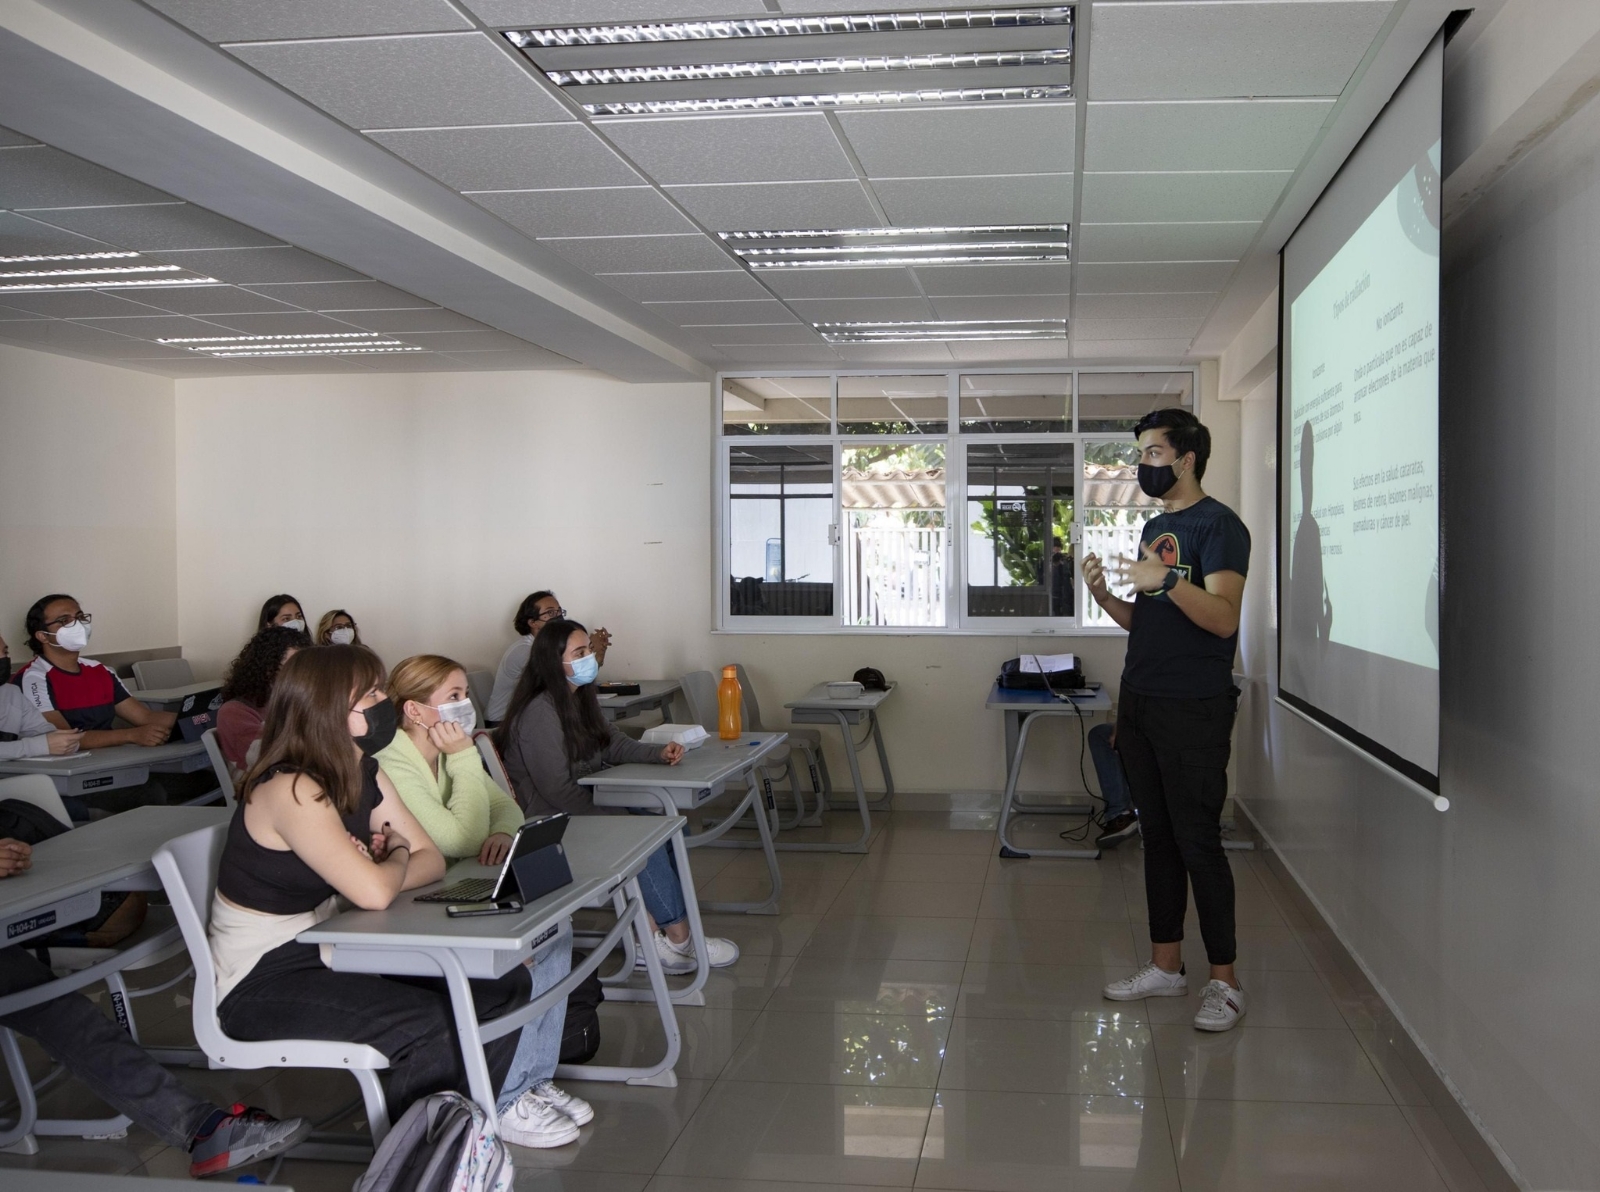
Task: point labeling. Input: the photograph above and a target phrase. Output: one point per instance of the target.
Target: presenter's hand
(494, 849)
(1146, 574)
(447, 737)
(1094, 576)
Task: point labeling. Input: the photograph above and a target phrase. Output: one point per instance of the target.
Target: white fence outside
(1109, 542)
(896, 575)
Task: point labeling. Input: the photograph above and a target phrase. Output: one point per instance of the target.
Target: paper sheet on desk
(54, 757)
(1048, 664)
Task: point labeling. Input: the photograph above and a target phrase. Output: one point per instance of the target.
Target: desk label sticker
(30, 925)
(90, 784)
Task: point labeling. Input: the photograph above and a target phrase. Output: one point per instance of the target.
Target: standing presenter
(1175, 717)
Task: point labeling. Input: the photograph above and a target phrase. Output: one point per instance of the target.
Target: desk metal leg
(1009, 806)
(859, 845)
(690, 994)
(752, 800)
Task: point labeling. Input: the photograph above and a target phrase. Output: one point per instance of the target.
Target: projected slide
(1363, 498)
(1358, 456)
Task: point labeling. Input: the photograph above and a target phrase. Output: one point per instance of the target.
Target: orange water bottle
(729, 721)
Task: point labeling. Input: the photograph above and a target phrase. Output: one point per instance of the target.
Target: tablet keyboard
(471, 889)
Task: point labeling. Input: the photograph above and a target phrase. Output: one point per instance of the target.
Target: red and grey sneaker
(241, 1135)
(1221, 1007)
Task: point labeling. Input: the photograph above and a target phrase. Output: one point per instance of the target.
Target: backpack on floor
(580, 1036)
(443, 1143)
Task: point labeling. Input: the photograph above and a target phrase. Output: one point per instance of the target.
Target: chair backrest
(38, 790)
(157, 673)
(480, 686)
(492, 762)
(129, 681)
(220, 765)
(700, 693)
(747, 692)
(187, 867)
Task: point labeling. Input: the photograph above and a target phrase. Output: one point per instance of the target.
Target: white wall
(87, 497)
(429, 504)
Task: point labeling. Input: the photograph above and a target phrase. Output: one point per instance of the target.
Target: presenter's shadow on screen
(1310, 612)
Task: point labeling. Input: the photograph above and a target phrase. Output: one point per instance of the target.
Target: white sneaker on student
(1150, 981)
(1221, 1007)
(679, 958)
(576, 1108)
(533, 1121)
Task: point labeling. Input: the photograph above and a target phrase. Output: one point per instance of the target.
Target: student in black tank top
(317, 818)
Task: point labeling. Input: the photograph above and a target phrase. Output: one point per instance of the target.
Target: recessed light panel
(80, 271)
(942, 331)
(335, 343)
(762, 63)
(877, 247)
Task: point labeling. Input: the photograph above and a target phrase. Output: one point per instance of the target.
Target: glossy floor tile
(881, 1050)
(633, 1128)
(1266, 1064)
(890, 937)
(936, 900)
(1015, 903)
(1043, 991)
(1110, 1056)
(1079, 941)
(916, 987)
(959, 869)
(631, 1035)
(1276, 999)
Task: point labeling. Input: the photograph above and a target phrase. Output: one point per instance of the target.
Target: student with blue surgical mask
(553, 734)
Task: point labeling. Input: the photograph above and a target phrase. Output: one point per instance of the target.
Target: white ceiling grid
(1195, 116)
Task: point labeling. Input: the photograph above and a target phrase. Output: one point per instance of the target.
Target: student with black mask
(1175, 715)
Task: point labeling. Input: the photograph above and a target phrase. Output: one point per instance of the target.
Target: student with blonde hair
(338, 628)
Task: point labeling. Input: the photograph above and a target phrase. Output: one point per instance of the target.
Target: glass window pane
(1115, 401)
(897, 543)
(1019, 529)
(1114, 512)
(1017, 404)
(780, 509)
(894, 405)
(777, 405)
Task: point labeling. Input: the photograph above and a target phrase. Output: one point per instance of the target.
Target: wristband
(1170, 580)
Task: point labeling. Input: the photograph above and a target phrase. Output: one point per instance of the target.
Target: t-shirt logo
(1166, 549)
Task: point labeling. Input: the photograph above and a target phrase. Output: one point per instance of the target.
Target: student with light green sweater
(435, 767)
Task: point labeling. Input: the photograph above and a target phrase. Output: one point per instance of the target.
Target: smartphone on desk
(466, 910)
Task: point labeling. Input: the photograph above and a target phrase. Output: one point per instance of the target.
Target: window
(918, 502)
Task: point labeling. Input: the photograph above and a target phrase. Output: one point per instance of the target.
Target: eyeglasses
(551, 614)
(63, 622)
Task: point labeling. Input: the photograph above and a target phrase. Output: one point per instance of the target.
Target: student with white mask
(435, 767)
(338, 628)
(281, 609)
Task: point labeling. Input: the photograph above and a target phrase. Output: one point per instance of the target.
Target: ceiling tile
(287, 323)
(932, 354)
(1230, 47)
(567, 12)
(1227, 134)
(865, 310)
(840, 283)
(1029, 352)
(153, 327)
(781, 147)
(732, 284)
(1012, 199)
(39, 176)
(793, 333)
(1037, 306)
(512, 157)
(979, 139)
(1117, 350)
(12, 314)
(256, 20)
(697, 314)
(247, 266)
(467, 341)
(996, 279)
(405, 321)
(1097, 329)
(408, 82)
(55, 333)
(10, 137)
(1143, 306)
(1162, 241)
(21, 235)
(212, 300)
(780, 355)
(1162, 198)
(78, 304)
(1184, 276)
(342, 295)
(148, 229)
(644, 254)
(622, 211)
(528, 356)
(779, 206)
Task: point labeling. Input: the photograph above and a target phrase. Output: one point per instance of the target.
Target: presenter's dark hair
(528, 610)
(1184, 432)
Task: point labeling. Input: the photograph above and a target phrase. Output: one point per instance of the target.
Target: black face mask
(381, 725)
(1156, 480)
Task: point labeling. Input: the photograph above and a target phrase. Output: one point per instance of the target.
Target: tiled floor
(930, 1016)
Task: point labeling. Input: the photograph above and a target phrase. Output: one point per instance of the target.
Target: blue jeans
(663, 892)
(539, 1043)
(1108, 769)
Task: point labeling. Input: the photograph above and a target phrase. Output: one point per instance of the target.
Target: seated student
(281, 609)
(436, 768)
(536, 611)
(316, 818)
(23, 731)
(248, 685)
(121, 1073)
(554, 734)
(338, 628)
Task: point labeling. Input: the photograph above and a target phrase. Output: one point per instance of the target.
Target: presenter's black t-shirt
(1168, 654)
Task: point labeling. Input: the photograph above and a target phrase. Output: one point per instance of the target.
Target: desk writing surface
(101, 853)
(600, 848)
(94, 761)
(707, 765)
(1000, 697)
(171, 694)
(650, 691)
(818, 698)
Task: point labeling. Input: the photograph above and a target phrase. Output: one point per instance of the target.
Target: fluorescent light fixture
(109, 284)
(808, 66)
(940, 331)
(264, 339)
(67, 256)
(860, 248)
(785, 26)
(331, 343)
(361, 351)
(828, 99)
(101, 272)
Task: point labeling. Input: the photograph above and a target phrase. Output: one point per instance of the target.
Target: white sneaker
(534, 1122)
(679, 958)
(1221, 1007)
(1150, 981)
(576, 1108)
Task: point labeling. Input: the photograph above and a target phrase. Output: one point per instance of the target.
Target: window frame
(956, 442)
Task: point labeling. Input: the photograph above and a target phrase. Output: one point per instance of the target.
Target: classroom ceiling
(1190, 123)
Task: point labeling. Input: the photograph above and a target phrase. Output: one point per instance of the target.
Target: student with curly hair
(248, 685)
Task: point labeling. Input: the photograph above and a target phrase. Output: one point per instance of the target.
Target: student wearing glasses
(536, 611)
(282, 609)
(317, 819)
(338, 628)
